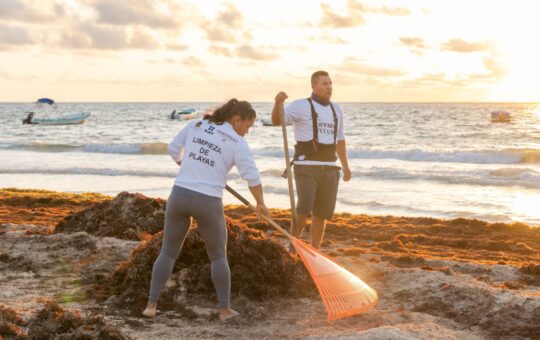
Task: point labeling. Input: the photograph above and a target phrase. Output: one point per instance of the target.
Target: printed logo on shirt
(210, 130)
(327, 128)
(225, 134)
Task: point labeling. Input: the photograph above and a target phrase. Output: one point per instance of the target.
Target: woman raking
(206, 151)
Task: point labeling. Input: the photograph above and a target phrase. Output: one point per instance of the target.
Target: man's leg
(317, 231)
(300, 224)
(325, 203)
(306, 188)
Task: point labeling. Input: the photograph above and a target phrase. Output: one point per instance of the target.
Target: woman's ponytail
(230, 109)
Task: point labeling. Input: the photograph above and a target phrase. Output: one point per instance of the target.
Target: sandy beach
(76, 264)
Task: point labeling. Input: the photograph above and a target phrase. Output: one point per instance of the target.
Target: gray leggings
(208, 211)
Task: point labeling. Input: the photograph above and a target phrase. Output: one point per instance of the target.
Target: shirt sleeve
(341, 129)
(243, 159)
(293, 111)
(176, 146)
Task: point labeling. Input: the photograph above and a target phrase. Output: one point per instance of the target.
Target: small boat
(185, 113)
(69, 119)
(500, 116)
(268, 122)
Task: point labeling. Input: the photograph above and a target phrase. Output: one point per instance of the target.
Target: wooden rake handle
(266, 218)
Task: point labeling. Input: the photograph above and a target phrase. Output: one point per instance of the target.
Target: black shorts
(316, 186)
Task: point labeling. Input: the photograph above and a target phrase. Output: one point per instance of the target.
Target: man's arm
(341, 149)
(277, 110)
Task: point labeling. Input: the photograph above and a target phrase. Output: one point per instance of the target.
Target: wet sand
(435, 278)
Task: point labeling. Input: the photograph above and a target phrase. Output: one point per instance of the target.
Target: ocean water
(442, 160)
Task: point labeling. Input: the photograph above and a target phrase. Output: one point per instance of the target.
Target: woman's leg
(177, 222)
(213, 230)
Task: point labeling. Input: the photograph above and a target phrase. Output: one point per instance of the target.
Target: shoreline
(435, 278)
(46, 209)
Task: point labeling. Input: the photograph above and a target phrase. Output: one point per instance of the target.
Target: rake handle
(294, 219)
(266, 218)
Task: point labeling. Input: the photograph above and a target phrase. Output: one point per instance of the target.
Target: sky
(172, 50)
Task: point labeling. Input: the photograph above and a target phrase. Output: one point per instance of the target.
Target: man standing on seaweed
(319, 135)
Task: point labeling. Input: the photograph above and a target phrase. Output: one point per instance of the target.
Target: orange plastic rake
(343, 293)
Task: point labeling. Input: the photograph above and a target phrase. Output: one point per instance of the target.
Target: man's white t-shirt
(298, 113)
(208, 152)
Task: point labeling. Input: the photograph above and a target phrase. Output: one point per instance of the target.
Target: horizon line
(254, 101)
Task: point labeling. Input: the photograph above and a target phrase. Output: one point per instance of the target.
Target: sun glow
(517, 54)
(527, 205)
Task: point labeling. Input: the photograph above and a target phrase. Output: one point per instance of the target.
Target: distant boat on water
(268, 122)
(500, 116)
(185, 113)
(43, 118)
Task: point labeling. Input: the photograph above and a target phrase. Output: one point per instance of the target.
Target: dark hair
(230, 109)
(315, 76)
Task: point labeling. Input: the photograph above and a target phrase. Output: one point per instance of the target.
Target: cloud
(494, 68)
(392, 11)
(192, 61)
(327, 37)
(428, 81)
(106, 37)
(249, 52)
(462, 46)
(220, 50)
(142, 40)
(353, 66)
(435, 79)
(231, 17)
(11, 35)
(332, 19)
(177, 47)
(226, 27)
(416, 45)
(19, 11)
(76, 40)
(494, 71)
(137, 12)
(217, 34)
(396, 11)
(244, 51)
(355, 14)
(90, 36)
(413, 42)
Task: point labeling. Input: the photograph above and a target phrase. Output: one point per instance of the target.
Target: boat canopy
(45, 101)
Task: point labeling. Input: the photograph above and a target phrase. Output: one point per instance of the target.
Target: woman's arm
(261, 208)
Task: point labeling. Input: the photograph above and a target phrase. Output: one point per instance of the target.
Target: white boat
(500, 116)
(44, 119)
(70, 119)
(185, 113)
(268, 122)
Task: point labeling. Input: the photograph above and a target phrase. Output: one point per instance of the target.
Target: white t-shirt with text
(298, 113)
(208, 152)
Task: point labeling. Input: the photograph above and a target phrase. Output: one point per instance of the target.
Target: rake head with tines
(343, 293)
